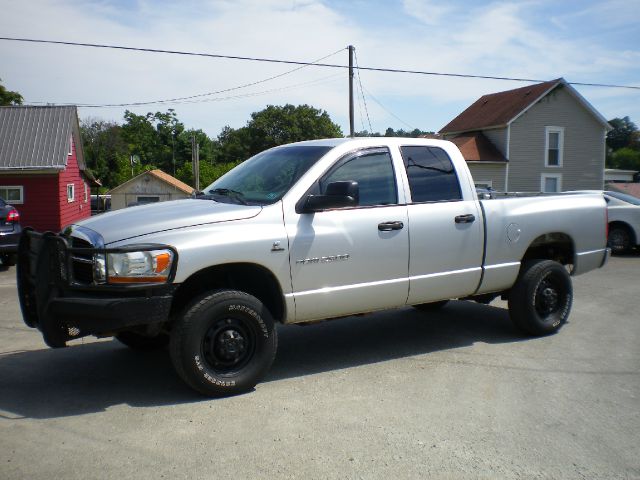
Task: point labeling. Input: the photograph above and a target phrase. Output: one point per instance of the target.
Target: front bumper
(53, 300)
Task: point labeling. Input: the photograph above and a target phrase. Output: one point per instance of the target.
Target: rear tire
(540, 300)
(619, 240)
(224, 343)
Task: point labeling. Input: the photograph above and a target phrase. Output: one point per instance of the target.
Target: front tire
(224, 343)
(540, 300)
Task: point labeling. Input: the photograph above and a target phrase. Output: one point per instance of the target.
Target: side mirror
(337, 195)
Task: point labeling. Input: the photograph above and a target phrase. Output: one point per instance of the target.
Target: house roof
(163, 177)
(500, 109)
(475, 147)
(38, 137)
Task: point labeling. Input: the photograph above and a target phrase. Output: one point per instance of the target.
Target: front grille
(81, 262)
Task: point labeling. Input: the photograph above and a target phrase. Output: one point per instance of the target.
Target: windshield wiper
(234, 194)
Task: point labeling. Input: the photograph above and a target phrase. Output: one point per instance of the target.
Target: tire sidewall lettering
(249, 311)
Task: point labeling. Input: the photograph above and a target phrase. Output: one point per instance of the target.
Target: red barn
(42, 169)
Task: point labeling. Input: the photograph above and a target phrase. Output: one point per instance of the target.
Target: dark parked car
(10, 231)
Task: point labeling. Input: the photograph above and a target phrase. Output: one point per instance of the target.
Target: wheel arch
(250, 278)
(622, 224)
(556, 246)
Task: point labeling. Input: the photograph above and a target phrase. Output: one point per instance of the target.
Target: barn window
(13, 194)
(71, 192)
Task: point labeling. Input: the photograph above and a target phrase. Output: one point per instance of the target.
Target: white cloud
(492, 38)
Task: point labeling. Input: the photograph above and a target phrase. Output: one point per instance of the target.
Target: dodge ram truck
(299, 233)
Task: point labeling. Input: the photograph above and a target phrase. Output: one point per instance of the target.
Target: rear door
(445, 230)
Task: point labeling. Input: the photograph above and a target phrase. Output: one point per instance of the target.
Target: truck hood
(158, 217)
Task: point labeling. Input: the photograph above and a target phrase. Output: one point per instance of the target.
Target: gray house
(544, 137)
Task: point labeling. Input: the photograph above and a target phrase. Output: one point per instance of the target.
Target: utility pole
(195, 162)
(351, 49)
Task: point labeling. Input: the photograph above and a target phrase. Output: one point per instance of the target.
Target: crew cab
(305, 232)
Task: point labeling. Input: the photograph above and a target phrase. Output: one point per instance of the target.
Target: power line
(387, 110)
(190, 97)
(362, 92)
(291, 62)
(318, 81)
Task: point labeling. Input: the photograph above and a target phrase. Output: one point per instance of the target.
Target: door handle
(388, 226)
(469, 218)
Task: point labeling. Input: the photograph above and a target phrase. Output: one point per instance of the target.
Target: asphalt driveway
(399, 394)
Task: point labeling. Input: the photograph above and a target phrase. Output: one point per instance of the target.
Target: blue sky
(582, 41)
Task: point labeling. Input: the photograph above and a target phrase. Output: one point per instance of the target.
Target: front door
(351, 260)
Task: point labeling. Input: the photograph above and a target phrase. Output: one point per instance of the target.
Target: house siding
(78, 209)
(498, 136)
(490, 171)
(145, 185)
(583, 152)
(37, 210)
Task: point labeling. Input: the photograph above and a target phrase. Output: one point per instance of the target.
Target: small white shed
(148, 187)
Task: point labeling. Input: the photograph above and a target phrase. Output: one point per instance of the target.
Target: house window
(554, 146)
(71, 192)
(12, 194)
(551, 182)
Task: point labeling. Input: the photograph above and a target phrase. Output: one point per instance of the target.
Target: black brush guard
(62, 308)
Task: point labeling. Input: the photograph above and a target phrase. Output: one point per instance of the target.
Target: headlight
(150, 266)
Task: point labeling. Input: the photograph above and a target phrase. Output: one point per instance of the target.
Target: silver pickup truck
(299, 233)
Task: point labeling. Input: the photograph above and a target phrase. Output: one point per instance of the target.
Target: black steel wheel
(540, 300)
(619, 240)
(224, 343)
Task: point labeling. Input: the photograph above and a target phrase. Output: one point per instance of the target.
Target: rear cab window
(431, 174)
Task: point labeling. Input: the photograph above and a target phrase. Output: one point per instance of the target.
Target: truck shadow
(92, 377)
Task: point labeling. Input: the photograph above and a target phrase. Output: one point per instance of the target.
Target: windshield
(624, 197)
(266, 177)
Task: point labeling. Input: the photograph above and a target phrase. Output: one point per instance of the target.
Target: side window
(432, 177)
(374, 174)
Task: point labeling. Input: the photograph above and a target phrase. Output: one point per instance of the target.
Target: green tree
(273, 126)
(7, 97)
(234, 145)
(622, 134)
(625, 158)
(279, 125)
(208, 172)
(105, 151)
(415, 133)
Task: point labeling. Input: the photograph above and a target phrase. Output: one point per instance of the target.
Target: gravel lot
(394, 395)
